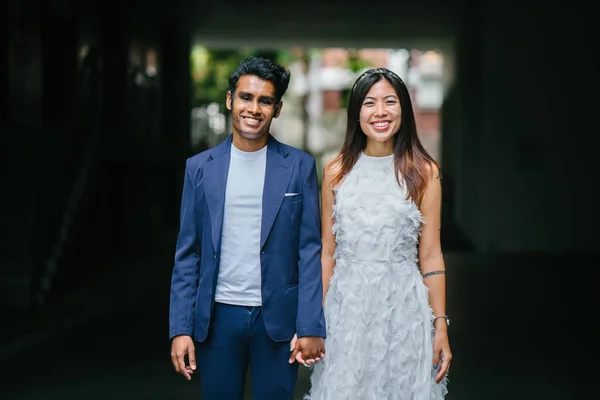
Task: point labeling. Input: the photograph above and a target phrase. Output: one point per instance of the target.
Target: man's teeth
(252, 120)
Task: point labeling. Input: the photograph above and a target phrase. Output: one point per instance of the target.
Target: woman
(383, 268)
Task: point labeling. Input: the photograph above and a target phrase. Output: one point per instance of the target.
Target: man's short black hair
(265, 69)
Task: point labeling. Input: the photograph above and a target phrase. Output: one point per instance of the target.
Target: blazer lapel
(215, 182)
(277, 177)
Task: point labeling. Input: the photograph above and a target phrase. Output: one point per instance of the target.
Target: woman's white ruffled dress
(379, 331)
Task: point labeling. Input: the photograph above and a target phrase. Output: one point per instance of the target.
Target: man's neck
(249, 145)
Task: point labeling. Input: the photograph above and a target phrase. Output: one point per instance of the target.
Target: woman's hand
(441, 353)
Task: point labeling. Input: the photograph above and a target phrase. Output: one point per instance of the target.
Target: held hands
(180, 347)
(307, 350)
(441, 353)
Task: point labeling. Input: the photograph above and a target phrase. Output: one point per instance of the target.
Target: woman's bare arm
(431, 262)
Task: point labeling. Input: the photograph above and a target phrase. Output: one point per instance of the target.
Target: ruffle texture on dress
(379, 343)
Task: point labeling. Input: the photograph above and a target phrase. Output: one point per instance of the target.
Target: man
(247, 273)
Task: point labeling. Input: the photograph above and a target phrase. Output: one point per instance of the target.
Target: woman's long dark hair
(411, 160)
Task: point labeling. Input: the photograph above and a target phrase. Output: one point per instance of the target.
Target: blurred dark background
(93, 144)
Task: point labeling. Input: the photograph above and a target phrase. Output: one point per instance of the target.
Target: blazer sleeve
(184, 281)
(310, 321)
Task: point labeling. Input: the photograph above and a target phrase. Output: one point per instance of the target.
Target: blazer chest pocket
(292, 206)
(292, 198)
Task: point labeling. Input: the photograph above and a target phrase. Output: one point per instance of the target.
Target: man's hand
(307, 350)
(180, 347)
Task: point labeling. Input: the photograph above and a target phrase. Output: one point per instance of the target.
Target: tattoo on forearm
(434, 273)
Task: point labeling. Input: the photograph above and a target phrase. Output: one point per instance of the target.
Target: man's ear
(229, 101)
(278, 108)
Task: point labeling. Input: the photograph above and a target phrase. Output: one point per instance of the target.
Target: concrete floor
(519, 331)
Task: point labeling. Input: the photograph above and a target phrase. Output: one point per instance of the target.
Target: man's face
(253, 108)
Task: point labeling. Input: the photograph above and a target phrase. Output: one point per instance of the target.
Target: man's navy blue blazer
(290, 244)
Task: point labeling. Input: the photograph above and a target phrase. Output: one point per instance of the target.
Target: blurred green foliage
(355, 64)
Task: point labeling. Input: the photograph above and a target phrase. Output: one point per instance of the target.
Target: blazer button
(215, 256)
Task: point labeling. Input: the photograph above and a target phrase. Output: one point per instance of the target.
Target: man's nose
(253, 107)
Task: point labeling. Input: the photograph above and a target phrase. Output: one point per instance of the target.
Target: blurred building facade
(314, 114)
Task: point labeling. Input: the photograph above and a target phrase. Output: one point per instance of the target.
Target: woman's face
(380, 113)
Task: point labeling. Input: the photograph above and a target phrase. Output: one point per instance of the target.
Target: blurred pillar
(176, 89)
(4, 11)
(59, 66)
(114, 66)
(24, 64)
(176, 122)
(461, 127)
